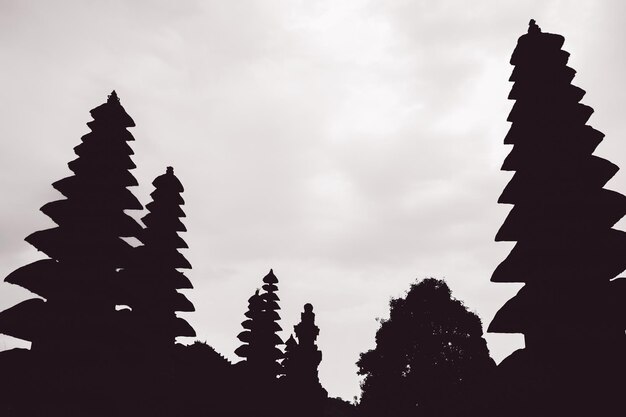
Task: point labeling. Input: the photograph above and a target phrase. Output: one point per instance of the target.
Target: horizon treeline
(104, 324)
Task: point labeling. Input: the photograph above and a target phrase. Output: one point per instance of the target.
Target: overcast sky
(352, 146)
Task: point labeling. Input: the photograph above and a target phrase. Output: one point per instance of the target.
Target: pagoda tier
(559, 259)
(73, 246)
(555, 310)
(563, 215)
(167, 278)
(94, 197)
(62, 281)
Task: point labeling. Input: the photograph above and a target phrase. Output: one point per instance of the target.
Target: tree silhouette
(153, 280)
(303, 394)
(566, 252)
(428, 354)
(77, 325)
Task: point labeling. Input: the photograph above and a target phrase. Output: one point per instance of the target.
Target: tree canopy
(428, 351)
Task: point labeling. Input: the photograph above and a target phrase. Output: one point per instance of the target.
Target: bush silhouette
(429, 356)
(204, 383)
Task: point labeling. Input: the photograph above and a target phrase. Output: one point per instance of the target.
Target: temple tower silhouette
(567, 253)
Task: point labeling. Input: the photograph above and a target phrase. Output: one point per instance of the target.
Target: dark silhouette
(337, 407)
(302, 392)
(430, 357)
(86, 249)
(104, 331)
(260, 368)
(104, 325)
(260, 338)
(204, 383)
(75, 331)
(153, 280)
(19, 381)
(567, 253)
(151, 284)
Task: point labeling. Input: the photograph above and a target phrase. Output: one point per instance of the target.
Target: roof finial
(532, 27)
(113, 98)
(169, 170)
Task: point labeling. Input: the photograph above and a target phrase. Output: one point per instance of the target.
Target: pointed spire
(532, 27)
(270, 278)
(113, 98)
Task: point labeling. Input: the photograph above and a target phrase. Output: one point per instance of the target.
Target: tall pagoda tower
(567, 253)
(75, 316)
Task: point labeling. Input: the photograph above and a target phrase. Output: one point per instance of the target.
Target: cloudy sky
(353, 146)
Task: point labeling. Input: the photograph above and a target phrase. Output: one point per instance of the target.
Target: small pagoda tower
(154, 280)
(260, 349)
(259, 369)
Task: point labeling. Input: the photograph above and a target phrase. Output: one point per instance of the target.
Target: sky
(354, 146)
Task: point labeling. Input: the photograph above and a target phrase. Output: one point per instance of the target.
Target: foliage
(429, 350)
